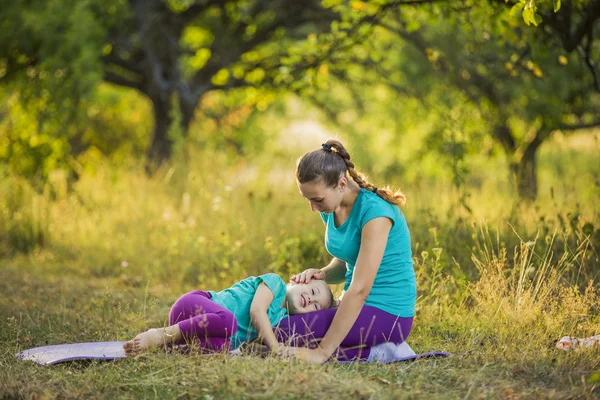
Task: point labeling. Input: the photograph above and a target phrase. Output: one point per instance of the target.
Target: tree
(525, 82)
(173, 51)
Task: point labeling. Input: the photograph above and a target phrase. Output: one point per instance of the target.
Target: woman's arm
(258, 315)
(373, 242)
(335, 272)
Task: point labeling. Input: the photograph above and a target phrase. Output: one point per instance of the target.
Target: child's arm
(258, 315)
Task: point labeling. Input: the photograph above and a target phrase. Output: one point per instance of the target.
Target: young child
(248, 310)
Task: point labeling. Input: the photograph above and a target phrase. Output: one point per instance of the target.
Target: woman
(368, 237)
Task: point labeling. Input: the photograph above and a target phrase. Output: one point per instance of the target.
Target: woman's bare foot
(146, 340)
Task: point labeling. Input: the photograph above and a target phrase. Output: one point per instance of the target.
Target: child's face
(306, 297)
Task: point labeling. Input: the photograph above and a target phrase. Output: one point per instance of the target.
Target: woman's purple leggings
(373, 326)
(203, 322)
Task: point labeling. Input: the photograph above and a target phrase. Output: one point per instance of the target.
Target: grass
(105, 259)
(502, 345)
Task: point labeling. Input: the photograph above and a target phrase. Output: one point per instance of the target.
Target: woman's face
(322, 198)
(307, 297)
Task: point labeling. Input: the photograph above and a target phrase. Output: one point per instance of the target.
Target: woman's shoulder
(370, 200)
(372, 206)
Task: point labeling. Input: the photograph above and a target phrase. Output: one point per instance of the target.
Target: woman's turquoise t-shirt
(238, 299)
(395, 286)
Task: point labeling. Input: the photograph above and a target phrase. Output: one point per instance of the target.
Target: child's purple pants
(203, 321)
(373, 326)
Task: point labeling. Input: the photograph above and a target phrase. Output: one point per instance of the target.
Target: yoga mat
(430, 354)
(48, 355)
(386, 353)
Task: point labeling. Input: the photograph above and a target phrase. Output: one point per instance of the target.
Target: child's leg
(202, 320)
(194, 318)
(373, 326)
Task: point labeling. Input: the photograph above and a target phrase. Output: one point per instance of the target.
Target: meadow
(104, 257)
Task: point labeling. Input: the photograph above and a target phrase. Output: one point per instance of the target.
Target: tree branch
(571, 41)
(586, 52)
(122, 81)
(128, 65)
(574, 127)
(503, 134)
(144, 20)
(480, 82)
(331, 114)
(198, 8)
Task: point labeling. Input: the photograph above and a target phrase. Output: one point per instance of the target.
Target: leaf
(595, 378)
(221, 77)
(413, 26)
(516, 9)
(556, 5)
(530, 17)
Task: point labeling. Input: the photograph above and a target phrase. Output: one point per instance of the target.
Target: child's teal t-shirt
(238, 299)
(395, 286)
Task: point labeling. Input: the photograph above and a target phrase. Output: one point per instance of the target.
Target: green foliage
(24, 216)
(52, 49)
(480, 65)
(467, 78)
(529, 9)
(113, 124)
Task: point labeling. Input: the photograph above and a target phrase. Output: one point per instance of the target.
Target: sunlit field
(148, 148)
(104, 257)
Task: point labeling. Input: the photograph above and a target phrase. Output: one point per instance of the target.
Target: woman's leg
(373, 326)
(202, 320)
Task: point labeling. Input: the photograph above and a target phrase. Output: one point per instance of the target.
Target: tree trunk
(162, 146)
(524, 173)
(523, 168)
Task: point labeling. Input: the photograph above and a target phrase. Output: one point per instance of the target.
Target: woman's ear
(342, 183)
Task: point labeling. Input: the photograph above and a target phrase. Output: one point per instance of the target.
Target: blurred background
(153, 142)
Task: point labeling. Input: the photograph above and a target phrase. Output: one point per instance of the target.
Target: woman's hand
(308, 275)
(302, 353)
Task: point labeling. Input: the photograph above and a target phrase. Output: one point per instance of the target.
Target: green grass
(498, 349)
(106, 258)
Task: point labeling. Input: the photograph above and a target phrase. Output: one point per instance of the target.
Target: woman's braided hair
(332, 161)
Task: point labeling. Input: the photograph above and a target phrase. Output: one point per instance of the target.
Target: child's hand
(308, 275)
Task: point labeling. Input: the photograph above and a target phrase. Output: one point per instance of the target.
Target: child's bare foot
(145, 341)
